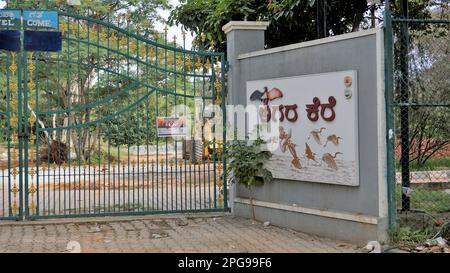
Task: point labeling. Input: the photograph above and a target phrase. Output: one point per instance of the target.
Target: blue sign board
(10, 40)
(42, 41)
(32, 40)
(40, 19)
(10, 18)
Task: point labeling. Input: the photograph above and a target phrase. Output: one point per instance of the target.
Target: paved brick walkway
(178, 234)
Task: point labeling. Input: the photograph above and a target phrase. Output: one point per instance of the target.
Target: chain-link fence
(420, 115)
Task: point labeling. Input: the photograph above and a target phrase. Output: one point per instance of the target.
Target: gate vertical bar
(9, 140)
(390, 139)
(20, 64)
(224, 127)
(404, 110)
(24, 137)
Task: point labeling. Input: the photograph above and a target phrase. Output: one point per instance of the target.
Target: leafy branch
(246, 162)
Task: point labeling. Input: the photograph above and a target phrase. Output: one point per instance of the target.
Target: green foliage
(291, 21)
(246, 162)
(431, 164)
(428, 83)
(407, 236)
(199, 11)
(293, 17)
(101, 156)
(445, 230)
(93, 66)
(416, 9)
(141, 15)
(430, 201)
(129, 129)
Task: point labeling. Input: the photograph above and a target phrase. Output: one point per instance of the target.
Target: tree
(291, 21)
(76, 77)
(296, 17)
(141, 15)
(428, 83)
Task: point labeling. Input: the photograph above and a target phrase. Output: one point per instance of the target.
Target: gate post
(242, 37)
(389, 95)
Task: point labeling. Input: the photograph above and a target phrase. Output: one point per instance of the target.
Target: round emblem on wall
(348, 81)
(348, 93)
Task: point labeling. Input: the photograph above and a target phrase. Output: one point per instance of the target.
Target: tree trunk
(79, 136)
(40, 123)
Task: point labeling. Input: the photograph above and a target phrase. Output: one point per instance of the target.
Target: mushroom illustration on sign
(330, 160)
(286, 143)
(316, 134)
(334, 139)
(310, 155)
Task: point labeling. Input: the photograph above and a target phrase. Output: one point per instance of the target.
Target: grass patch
(432, 201)
(113, 150)
(432, 164)
(96, 158)
(105, 155)
(408, 237)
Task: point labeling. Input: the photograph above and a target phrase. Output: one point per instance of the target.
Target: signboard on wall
(171, 126)
(317, 119)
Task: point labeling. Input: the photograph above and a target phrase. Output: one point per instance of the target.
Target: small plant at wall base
(246, 164)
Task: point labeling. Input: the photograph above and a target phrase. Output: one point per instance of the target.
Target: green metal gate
(79, 127)
(418, 101)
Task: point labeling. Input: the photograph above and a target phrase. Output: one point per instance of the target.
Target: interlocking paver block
(184, 234)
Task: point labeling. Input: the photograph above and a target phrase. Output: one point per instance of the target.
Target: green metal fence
(78, 127)
(418, 114)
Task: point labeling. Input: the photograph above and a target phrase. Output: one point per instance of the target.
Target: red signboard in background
(171, 126)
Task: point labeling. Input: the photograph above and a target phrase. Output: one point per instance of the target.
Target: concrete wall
(354, 214)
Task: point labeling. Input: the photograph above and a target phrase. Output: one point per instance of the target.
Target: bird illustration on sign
(286, 143)
(266, 112)
(285, 137)
(316, 134)
(310, 126)
(310, 155)
(334, 139)
(266, 96)
(330, 160)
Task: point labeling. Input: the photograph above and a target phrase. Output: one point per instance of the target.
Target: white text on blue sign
(41, 19)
